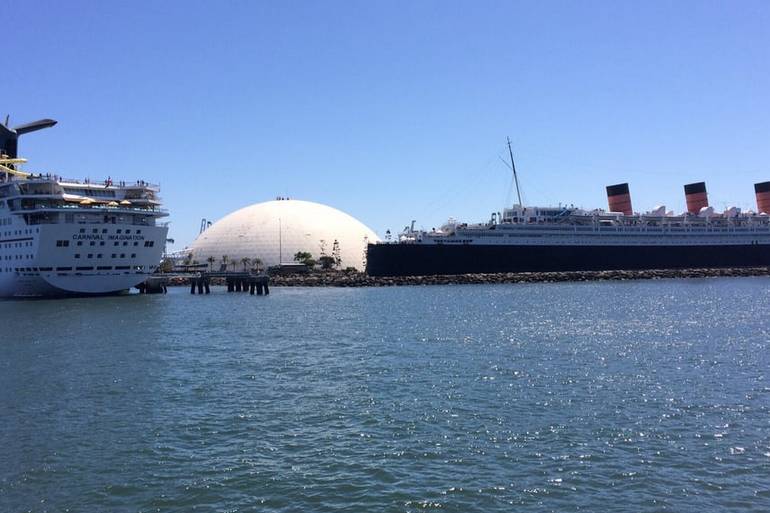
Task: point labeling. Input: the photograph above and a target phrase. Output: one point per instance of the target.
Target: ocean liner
(541, 239)
(61, 237)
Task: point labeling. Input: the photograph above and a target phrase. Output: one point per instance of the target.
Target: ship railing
(118, 184)
(99, 208)
(86, 219)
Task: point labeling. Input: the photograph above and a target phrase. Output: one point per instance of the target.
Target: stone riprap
(350, 279)
(341, 279)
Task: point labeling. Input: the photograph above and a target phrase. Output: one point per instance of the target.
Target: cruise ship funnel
(619, 199)
(762, 191)
(9, 137)
(696, 196)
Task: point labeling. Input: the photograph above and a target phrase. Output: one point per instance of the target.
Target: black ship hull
(434, 259)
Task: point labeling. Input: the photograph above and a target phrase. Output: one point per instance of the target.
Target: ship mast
(513, 166)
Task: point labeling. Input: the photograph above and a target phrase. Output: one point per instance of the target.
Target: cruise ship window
(101, 243)
(125, 243)
(119, 231)
(93, 243)
(77, 255)
(136, 243)
(90, 255)
(133, 255)
(114, 255)
(116, 243)
(104, 230)
(128, 231)
(122, 255)
(95, 230)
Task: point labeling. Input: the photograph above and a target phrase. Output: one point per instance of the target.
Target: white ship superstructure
(69, 237)
(576, 227)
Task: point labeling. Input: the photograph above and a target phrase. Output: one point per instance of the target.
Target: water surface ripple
(614, 396)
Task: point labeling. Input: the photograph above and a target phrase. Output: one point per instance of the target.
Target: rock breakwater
(350, 279)
(340, 279)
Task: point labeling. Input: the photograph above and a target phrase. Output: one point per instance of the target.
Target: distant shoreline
(346, 279)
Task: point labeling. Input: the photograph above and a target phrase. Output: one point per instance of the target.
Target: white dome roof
(274, 231)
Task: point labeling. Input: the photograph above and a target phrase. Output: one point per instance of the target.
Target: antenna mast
(513, 166)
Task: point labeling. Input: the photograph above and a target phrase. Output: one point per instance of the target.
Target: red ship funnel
(695, 194)
(619, 198)
(762, 190)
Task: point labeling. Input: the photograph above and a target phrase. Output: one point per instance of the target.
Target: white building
(274, 231)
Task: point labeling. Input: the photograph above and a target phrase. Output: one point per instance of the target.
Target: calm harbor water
(613, 396)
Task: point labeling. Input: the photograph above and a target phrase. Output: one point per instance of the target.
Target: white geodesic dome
(274, 231)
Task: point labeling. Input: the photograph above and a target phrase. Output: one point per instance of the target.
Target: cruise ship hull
(74, 286)
(434, 259)
(97, 260)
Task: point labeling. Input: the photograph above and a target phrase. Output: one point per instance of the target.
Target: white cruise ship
(61, 237)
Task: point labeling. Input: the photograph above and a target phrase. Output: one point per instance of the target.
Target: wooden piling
(253, 284)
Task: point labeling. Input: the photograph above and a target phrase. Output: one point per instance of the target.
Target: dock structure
(153, 285)
(253, 284)
(236, 282)
(200, 282)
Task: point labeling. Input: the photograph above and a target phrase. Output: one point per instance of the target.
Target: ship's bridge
(520, 214)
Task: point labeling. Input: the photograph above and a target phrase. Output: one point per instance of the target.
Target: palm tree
(245, 261)
(225, 260)
(211, 261)
(257, 263)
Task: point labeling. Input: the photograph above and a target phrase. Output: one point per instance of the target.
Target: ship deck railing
(98, 208)
(113, 184)
(109, 183)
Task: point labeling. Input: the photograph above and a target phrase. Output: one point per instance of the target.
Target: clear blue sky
(393, 111)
